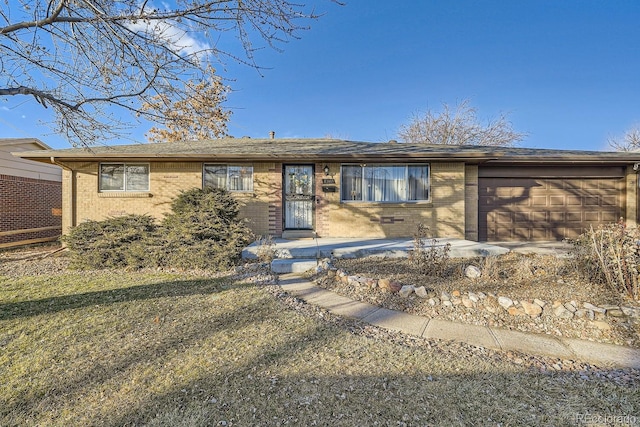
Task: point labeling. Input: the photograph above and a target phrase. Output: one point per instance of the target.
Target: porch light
(326, 170)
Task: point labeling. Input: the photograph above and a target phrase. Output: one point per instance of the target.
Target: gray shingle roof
(238, 149)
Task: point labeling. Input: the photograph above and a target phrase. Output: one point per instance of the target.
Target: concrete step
(292, 265)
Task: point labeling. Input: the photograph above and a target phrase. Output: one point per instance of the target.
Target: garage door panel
(557, 217)
(539, 201)
(608, 216)
(546, 208)
(503, 218)
(592, 217)
(556, 200)
(573, 200)
(520, 217)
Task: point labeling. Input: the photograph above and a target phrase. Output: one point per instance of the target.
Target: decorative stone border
(490, 302)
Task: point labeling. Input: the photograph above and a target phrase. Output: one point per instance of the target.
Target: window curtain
(385, 184)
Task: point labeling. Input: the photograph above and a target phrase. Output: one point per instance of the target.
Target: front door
(298, 197)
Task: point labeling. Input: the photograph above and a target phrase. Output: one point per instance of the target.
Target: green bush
(610, 254)
(108, 243)
(201, 231)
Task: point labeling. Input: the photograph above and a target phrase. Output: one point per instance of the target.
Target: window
(385, 183)
(124, 177)
(228, 177)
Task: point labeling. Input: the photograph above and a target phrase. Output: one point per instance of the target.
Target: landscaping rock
(631, 311)
(433, 301)
(592, 307)
(395, 286)
(384, 284)
(445, 296)
(562, 312)
(421, 291)
(505, 302)
(532, 309)
(569, 306)
(472, 272)
(473, 297)
(580, 313)
(515, 311)
(539, 302)
(466, 301)
(406, 290)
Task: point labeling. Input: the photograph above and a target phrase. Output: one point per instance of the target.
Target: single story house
(336, 188)
(30, 195)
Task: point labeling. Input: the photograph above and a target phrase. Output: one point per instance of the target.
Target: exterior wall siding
(444, 214)
(29, 204)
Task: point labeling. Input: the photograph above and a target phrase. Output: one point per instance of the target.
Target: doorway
(299, 197)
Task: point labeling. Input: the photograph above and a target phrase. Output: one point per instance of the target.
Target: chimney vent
(272, 135)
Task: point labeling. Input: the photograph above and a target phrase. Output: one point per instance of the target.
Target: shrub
(202, 231)
(108, 243)
(610, 254)
(427, 256)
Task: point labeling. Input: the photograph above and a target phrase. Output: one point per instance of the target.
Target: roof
(327, 150)
(20, 141)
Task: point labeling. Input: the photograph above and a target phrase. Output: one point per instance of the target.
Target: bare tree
(630, 141)
(199, 116)
(459, 126)
(82, 58)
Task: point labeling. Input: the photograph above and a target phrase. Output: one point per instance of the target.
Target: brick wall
(444, 214)
(27, 203)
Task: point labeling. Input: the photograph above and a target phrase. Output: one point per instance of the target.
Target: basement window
(235, 178)
(385, 183)
(124, 177)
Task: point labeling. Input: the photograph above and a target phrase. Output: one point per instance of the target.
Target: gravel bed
(519, 277)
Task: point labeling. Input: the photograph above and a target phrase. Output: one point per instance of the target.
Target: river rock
(472, 272)
(406, 290)
(532, 309)
(505, 302)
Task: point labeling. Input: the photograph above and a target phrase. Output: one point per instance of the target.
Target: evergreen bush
(201, 231)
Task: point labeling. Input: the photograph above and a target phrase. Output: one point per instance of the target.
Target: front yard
(167, 349)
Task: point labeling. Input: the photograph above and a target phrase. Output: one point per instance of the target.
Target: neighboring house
(334, 188)
(30, 195)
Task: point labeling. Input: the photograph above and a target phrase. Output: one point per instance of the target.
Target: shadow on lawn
(111, 296)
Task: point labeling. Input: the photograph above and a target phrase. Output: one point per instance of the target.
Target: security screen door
(298, 197)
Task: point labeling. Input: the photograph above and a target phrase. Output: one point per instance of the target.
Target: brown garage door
(545, 208)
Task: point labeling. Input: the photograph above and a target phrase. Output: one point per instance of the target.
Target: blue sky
(567, 72)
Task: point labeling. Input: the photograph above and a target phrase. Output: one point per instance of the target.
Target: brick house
(30, 195)
(335, 188)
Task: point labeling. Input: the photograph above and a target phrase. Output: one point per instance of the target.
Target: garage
(547, 203)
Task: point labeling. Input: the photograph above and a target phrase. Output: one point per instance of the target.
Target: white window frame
(362, 195)
(125, 165)
(227, 178)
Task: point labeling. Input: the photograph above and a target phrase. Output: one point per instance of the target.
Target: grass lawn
(119, 348)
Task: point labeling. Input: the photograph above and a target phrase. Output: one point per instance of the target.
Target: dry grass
(117, 348)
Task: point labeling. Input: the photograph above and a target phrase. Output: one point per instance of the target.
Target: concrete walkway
(299, 255)
(482, 336)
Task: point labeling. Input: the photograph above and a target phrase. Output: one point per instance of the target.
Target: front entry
(299, 197)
